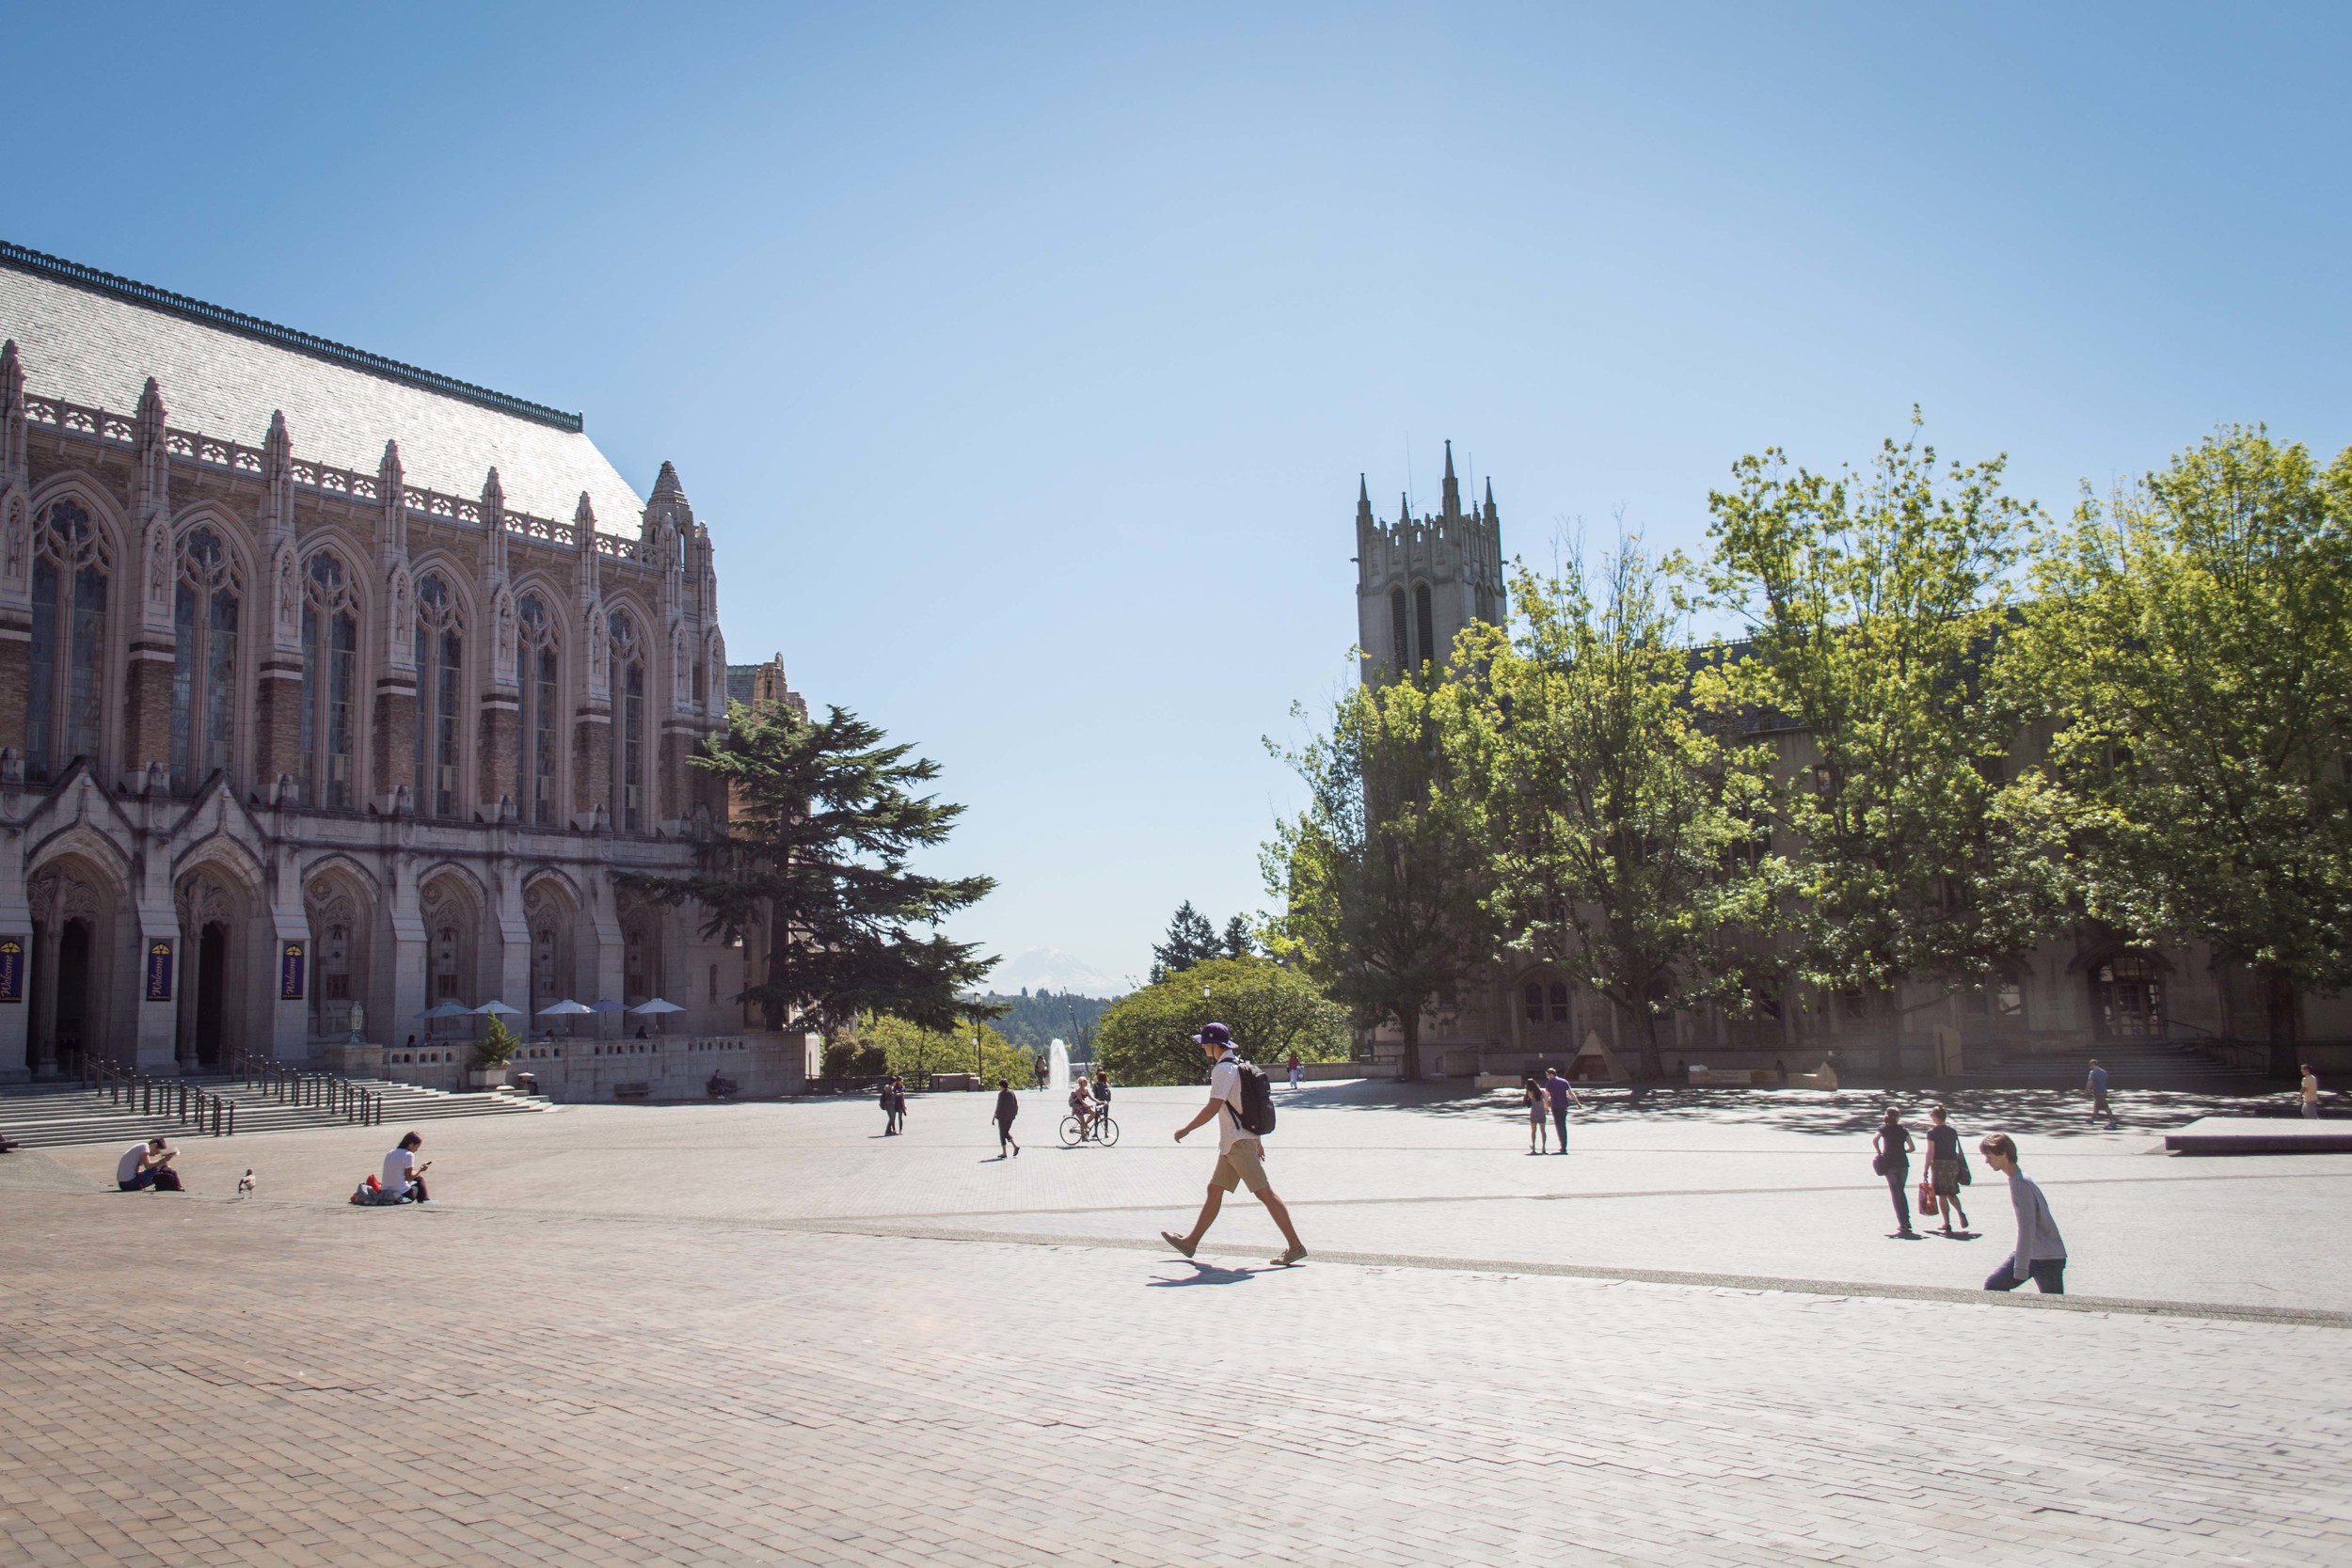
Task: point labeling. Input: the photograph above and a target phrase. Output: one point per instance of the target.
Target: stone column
(396, 737)
(497, 761)
(592, 764)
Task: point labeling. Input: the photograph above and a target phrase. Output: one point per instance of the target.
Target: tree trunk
(2278, 1010)
(1408, 1064)
(1653, 1063)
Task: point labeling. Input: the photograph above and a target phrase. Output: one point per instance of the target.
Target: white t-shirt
(128, 1166)
(399, 1165)
(1225, 1084)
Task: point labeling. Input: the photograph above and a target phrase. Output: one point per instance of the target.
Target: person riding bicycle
(1101, 1092)
(1082, 1106)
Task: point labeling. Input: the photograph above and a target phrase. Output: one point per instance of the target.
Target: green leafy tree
(1146, 1037)
(910, 1048)
(2197, 636)
(1626, 829)
(1190, 939)
(816, 861)
(1382, 876)
(1882, 623)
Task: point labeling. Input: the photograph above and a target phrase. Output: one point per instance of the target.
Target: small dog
(244, 1184)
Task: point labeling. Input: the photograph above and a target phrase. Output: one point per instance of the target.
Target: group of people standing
(2040, 1254)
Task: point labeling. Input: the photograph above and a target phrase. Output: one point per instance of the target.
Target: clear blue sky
(1024, 359)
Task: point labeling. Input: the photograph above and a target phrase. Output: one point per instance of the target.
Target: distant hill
(1039, 1018)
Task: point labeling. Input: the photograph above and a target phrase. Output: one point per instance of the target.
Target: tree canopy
(814, 861)
(1382, 875)
(2196, 638)
(1146, 1037)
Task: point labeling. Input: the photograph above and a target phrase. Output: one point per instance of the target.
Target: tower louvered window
(1424, 626)
(1399, 630)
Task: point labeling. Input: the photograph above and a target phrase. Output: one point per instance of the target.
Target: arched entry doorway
(551, 916)
(216, 979)
(342, 933)
(75, 929)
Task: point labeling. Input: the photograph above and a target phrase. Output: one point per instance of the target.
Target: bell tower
(1419, 580)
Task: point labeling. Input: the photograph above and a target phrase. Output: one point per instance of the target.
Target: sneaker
(1290, 1255)
(1175, 1240)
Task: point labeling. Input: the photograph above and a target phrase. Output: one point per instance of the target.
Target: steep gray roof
(91, 338)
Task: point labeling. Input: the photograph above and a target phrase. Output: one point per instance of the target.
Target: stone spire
(1490, 500)
(14, 468)
(1453, 488)
(392, 493)
(584, 538)
(277, 476)
(150, 486)
(1363, 504)
(493, 529)
(1403, 508)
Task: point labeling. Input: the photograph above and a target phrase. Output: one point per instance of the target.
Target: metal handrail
(328, 1091)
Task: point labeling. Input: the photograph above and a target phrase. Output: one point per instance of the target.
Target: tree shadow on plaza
(1832, 1113)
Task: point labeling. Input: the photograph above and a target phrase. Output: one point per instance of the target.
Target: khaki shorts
(1244, 1161)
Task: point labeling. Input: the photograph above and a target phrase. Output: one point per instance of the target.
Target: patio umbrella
(441, 1010)
(567, 1008)
(654, 1007)
(496, 1008)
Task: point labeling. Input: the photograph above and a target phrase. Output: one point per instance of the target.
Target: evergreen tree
(1190, 940)
(1238, 943)
(814, 862)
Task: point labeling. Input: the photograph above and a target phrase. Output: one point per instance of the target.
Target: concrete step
(50, 1118)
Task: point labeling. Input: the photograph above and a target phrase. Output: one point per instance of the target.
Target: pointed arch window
(330, 679)
(440, 688)
(62, 709)
(628, 726)
(537, 723)
(204, 610)
(1424, 624)
(1400, 638)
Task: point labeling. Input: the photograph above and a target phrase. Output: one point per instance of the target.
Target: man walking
(2311, 1092)
(1241, 1153)
(1007, 1107)
(1561, 1091)
(2040, 1255)
(2097, 1083)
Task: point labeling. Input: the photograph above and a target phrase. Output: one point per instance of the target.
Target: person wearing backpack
(1241, 1101)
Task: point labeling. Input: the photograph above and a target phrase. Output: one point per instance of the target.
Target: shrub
(1146, 1037)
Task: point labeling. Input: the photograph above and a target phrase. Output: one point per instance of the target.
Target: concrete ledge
(2261, 1135)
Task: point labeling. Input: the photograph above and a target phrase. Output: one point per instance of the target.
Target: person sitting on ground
(147, 1165)
(403, 1177)
(1082, 1106)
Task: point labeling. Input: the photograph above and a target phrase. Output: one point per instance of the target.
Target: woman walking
(1007, 1107)
(1945, 1168)
(1893, 1143)
(1532, 1096)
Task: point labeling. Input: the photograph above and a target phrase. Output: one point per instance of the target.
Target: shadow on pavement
(1207, 1273)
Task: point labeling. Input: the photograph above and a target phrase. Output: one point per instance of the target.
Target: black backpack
(1256, 1116)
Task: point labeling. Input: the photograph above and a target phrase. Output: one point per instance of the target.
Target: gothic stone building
(331, 690)
(1419, 581)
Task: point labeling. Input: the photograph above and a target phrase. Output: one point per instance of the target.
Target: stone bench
(632, 1091)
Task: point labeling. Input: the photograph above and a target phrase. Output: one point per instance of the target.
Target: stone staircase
(2142, 1065)
(44, 1116)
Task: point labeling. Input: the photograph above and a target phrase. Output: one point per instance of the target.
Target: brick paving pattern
(267, 1382)
(197, 1380)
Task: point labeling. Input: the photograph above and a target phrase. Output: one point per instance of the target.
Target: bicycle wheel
(1106, 1131)
(1070, 1133)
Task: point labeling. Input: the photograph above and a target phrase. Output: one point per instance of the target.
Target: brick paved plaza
(761, 1334)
